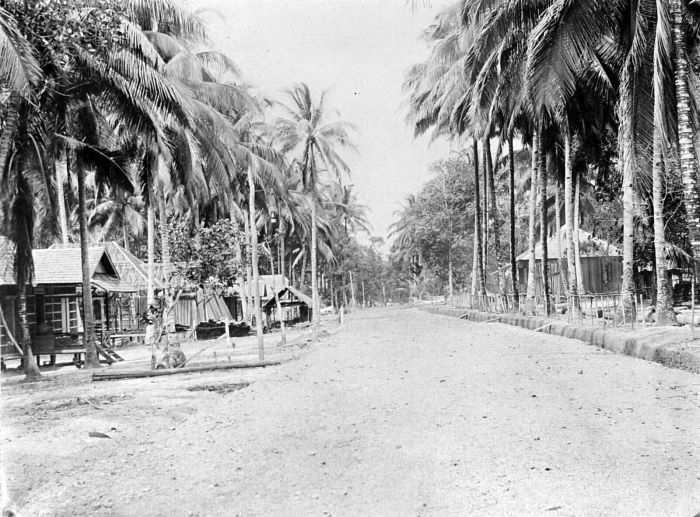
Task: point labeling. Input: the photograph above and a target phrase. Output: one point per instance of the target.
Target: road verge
(669, 346)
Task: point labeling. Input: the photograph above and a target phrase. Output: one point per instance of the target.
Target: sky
(359, 50)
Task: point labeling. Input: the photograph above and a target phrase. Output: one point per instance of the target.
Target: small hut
(296, 306)
(601, 264)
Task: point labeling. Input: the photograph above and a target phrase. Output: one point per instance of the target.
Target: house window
(8, 311)
(62, 313)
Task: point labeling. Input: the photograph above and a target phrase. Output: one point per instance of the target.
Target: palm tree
(511, 197)
(307, 135)
(479, 245)
(17, 207)
(686, 135)
(532, 227)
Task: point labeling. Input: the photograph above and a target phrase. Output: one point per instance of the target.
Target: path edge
(620, 342)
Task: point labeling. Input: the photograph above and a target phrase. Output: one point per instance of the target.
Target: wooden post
(226, 333)
(342, 315)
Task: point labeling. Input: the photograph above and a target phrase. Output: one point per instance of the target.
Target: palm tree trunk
(688, 158)
(494, 217)
(164, 231)
(6, 137)
(316, 316)
(91, 359)
(282, 247)
(513, 265)
(125, 234)
(664, 307)
(477, 259)
(61, 176)
(248, 284)
(485, 213)
(530, 301)
(479, 245)
(569, 216)
(254, 265)
(31, 369)
(563, 270)
(280, 314)
(577, 235)
(302, 272)
(625, 139)
(150, 289)
(542, 166)
(449, 274)
(353, 300)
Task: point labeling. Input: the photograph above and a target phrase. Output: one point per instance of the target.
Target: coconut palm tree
(306, 134)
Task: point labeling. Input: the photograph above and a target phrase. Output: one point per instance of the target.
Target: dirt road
(398, 413)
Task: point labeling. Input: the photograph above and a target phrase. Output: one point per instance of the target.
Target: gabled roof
(590, 247)
(270, 284)
(63, 265)
(296, 293)
(133, 272)
(60, 265)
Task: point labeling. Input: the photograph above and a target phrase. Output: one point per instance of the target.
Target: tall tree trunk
(477, 229)
(664, 306)
(248, 285)
(353, 300)
(282, 250)
(530, 300)
(164, 231)
(544, 234)
(485, 211)
(569, 216)
(477, 257)
(283, 332)
(577, 235)
(563, 269)
(511, 185)
(449, 274)
(150, 289)
(91, 359)
(494, 218)
(6, 136)
(688, 158)
(31, 369)
(254, 265)
(302, 273)
(316, 316)
(125, 235)
(61, 177)
(626, 148)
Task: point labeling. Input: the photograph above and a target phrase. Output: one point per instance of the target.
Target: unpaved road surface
(399, 412)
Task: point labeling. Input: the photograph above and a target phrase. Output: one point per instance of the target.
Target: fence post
(226, 332)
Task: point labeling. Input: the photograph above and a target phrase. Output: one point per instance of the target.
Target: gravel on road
(398, 412)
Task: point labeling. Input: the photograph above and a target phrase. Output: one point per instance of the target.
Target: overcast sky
(360, 50)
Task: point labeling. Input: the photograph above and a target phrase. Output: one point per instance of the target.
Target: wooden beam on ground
(114, 375)
(540, 329)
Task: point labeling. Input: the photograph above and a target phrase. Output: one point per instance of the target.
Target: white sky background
(360, 50)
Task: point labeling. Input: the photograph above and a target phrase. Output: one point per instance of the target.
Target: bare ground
(399, 412)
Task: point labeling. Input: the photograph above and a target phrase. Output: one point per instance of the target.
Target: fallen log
(134, 374)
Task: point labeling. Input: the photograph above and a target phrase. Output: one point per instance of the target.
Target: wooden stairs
(108, 354)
